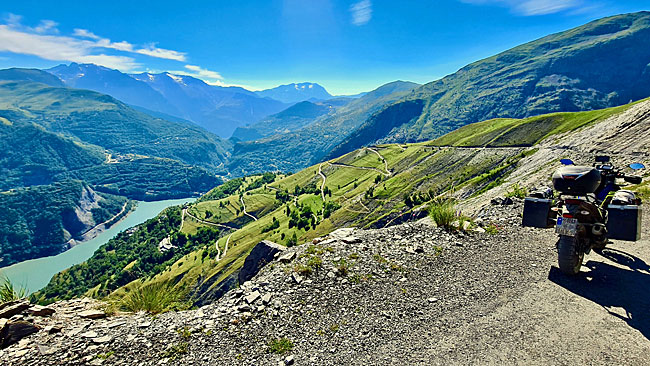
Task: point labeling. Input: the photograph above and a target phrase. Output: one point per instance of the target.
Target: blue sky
(346, 46)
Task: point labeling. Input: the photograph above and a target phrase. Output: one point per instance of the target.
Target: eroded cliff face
(80, 220)
(624, 137)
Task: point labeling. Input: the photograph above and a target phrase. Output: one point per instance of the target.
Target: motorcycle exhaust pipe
(598, 229)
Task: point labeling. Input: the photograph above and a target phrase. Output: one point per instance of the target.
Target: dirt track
(599, 317)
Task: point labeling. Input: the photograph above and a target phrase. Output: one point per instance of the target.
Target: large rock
(38, 310)
(262, 254)
(13, 332)
(7, 310)
(92, 314)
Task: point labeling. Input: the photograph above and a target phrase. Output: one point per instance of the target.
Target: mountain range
(296, 92)
(601, 64)
(217, 109)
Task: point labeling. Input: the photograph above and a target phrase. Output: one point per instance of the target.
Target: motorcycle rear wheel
(568, 258)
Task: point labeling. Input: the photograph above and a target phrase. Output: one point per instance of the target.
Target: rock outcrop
(262, 253)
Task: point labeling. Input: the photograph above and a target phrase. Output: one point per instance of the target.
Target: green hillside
(103, 121)
(297, 150)
(37, 221)
(598, 65)
(291, 119)
(35, 75)
(524, 132)
(358, 191)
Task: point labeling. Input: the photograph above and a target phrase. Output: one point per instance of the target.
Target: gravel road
(410, 294)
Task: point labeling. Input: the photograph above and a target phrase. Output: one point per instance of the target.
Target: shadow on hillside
(611, 286)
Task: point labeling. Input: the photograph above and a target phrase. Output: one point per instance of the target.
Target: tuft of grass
(315, 262)
(492, 229)
(280, 346)
(517, 191)
(643, 193)
(104, 356)
(438, 250)
(154, 298)
(342, 267)
(442, 212)
(176, 351)
(184, 332)
(9, 292)
(302, 269)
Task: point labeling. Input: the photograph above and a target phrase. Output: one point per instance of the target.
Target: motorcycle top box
(577, 180)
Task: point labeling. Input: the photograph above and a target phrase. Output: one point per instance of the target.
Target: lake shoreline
(34, 274)
(96, 230)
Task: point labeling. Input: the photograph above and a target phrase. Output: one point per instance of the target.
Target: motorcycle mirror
(566, 162)
(637, 166)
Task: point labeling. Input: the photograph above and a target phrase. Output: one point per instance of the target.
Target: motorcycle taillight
(567, 216)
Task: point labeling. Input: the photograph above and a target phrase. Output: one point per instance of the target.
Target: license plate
(566, 226)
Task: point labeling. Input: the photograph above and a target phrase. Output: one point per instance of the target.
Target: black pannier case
(624, 222)
(577, 180)
(537, 212)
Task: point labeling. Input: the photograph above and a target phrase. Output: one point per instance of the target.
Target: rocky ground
(408, 294)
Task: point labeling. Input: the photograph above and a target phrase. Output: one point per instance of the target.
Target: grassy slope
(525, 132)
(101, 120)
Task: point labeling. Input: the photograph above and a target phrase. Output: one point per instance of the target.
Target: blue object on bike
(566, 162)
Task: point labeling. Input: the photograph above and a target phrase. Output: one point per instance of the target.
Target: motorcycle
(587, 197)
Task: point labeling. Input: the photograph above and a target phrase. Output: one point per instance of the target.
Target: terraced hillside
(372, 187)
(367, 188)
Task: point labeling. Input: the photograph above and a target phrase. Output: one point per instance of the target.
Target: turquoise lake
(36, 273)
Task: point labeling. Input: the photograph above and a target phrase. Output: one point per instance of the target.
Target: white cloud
(82, 46)
(209, 76)
(47, 26)
(59, 48)
(161, 53)
(532, 7)
(361, 12)
(84, 33)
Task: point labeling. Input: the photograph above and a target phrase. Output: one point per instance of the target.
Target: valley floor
(408, 294)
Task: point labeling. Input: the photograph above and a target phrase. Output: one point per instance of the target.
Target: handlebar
(610, 172)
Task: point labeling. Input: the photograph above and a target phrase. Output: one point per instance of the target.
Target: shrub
(442, 212)
(280, 346)
(293, 240)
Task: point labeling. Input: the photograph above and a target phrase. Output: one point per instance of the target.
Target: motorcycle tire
(568, 258)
